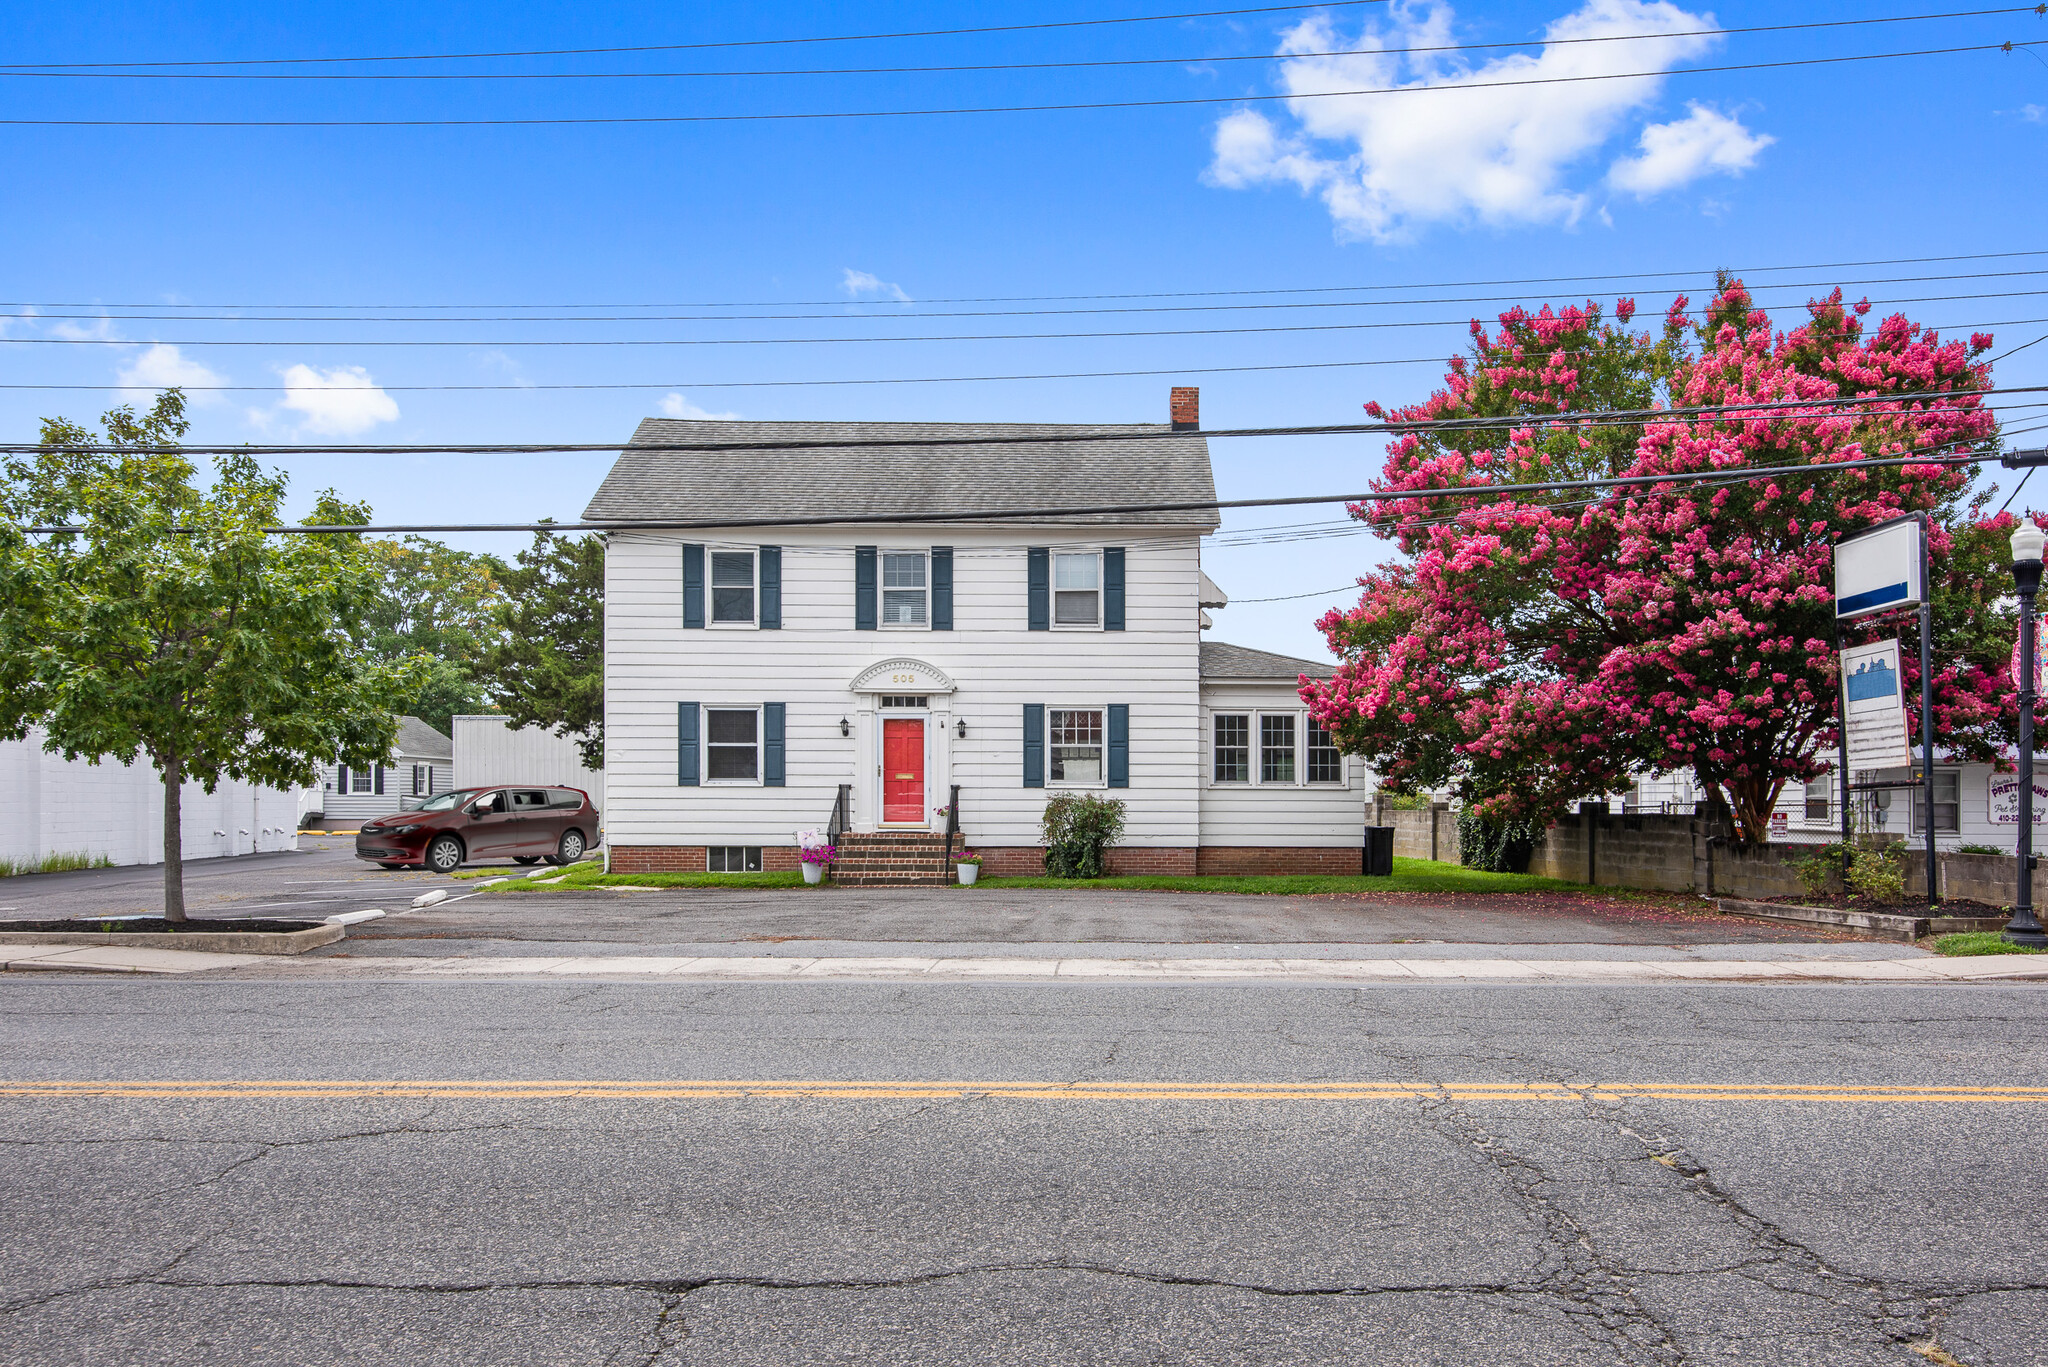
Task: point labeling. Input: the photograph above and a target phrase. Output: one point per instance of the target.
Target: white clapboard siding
(51, 805)
(489, 749)
(997, 662)
(398, 796)
(1274, 814)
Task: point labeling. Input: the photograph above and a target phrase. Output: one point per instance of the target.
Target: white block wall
(489, 749)
(50, 805)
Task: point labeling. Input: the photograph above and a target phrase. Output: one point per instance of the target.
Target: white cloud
(163, 366)
(2034, 113)
(1669, 155)
(339, 402)
(676, 406)
(101, 330)
(29, 312)
(860, 284)
(1386, 165)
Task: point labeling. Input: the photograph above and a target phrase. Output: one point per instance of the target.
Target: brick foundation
(691, 858)
(1243, 859)
(1029, 861)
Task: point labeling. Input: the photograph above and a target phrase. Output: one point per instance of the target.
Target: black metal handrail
(842, 814)
(952, 829)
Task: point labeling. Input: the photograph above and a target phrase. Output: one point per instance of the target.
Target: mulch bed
(1902, 906)
(146, 925)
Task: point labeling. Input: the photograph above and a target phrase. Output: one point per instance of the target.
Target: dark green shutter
(693, 586)
(942, 588)
(341, 778)
(686, 744)
(1034, 745)
(1040, 559)
(1119, 745)
(377, 779)
(865, 614)
(1113, 589)
(771, 588)
(772, 748)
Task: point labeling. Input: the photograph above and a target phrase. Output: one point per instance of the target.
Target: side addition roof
(938, 468)
(1220, 661)
(417, 740)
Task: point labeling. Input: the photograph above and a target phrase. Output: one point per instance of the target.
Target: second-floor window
(1076, 589)
(906, 589)
(732, 749)
(732, 587)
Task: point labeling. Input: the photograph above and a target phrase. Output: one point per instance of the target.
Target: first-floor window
(1948, 806)
(1075, 742)
(1820, 793)
(1276, 749)
(1233, 749)
(1325, 760)
(362, 781)
(732, 745)
(733, 859)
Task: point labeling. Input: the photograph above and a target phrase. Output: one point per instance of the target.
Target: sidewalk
(1498, 966)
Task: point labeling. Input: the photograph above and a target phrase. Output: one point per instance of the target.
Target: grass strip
(1410, 875)
(1970, 943)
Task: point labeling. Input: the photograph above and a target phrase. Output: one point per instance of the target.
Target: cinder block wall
(1412, 831)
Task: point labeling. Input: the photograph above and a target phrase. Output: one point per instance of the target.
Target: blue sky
(1658, 178)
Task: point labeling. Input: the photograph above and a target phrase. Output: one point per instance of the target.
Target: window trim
(882, 589)
(366, 778)
(1250, 775)
(1292, 750)
(711, 586)
(1919, 797)
(1308, 745)
(1255, 750)
(759, 779)
(1101, 711)
(1052, 578)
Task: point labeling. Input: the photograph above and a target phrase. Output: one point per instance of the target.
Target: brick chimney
(1187, 409)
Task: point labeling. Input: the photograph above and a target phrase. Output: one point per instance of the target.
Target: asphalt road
(1147, 1218)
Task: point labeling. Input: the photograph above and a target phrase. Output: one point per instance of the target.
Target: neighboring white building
(51, 805)
(751, 672)
(489, 749)
(423, 764)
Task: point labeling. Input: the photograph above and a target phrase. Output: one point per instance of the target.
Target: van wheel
(391, 866)
(526, 859)
(571, 848)
(445, 854)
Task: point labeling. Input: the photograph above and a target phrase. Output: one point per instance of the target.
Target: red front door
(903, 769)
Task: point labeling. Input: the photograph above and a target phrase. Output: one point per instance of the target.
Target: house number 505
(903, 678)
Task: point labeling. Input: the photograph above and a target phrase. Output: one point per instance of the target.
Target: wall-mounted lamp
(845, 727)
(962, 732)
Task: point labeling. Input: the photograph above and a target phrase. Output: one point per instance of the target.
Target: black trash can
(1378, 860)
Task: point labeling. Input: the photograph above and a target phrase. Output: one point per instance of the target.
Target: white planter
(968, 873)
(814, 873)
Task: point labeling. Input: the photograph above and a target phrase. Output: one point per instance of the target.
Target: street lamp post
(2028, 541)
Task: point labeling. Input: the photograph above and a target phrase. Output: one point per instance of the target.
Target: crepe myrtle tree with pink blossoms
(1526, 650)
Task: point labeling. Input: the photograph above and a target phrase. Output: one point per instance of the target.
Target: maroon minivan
(525, 825)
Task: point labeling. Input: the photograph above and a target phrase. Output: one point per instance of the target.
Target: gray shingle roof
(824, 481)
(1220, 661)
(417, 740)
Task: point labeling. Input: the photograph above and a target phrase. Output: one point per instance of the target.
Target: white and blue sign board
(1878, 570)
(1875, 704)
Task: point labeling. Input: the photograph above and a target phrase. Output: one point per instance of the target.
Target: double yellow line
(574, 1089)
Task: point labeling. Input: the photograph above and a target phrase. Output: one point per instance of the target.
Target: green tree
(173, 626)
(548, 669)
(438, 607)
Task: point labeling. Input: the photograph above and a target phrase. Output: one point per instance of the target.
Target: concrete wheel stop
(241, 935)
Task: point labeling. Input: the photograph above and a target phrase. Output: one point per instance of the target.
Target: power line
(30, 313)
(1032, 435)
(77, 72)
(1171, 294)
(1102, 510)
(500, 343)
(1186, 102)
(698, 47)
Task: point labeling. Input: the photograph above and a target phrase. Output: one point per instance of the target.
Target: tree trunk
(174, 839)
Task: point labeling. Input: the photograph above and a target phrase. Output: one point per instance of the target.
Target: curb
(187, 942)
(1889, 925)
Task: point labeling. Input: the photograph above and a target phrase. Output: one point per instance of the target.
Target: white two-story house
(800, 629)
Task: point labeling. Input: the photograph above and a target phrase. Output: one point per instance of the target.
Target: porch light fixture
(845, 727)
(2028, 542)
(961, 730)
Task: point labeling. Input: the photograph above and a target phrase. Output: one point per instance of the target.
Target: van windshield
(441, 802)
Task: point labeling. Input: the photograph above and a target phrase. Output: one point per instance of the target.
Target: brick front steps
(895, 859)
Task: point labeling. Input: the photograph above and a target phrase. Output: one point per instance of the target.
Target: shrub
(1405, 802)
(1077, 828)
(1879, 874)
(1980, 849)
(1823, 872)
(1497, 846)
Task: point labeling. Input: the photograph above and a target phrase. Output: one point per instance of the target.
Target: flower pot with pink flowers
(815, 853)
(968, 865)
